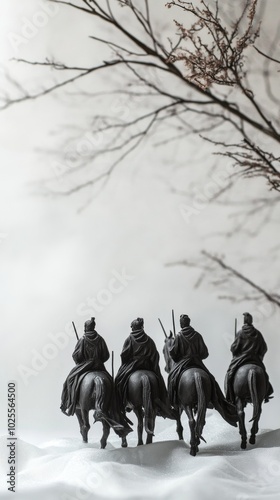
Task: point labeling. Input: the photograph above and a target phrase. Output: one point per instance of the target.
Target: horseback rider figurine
(140, 353)
(90, 354)
(188, 351)
(249, 346)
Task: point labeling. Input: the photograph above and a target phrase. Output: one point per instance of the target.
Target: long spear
(113, 376)
(163, 328)
(173, 321)
(235, 328)
(75, 330)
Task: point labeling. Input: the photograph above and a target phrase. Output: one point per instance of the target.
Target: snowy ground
(67, 469)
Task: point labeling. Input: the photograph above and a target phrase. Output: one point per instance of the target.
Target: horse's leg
(106, 432)
(255, 427)
(179, 427)
(124, 442)
(254, 431)
(257, 396)
(85, 425)
(193, 443)
(151, 423)
(139, 414)
(241, 421)
(80, 418)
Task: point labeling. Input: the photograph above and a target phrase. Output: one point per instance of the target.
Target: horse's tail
(201, 405)
(252, 382)
(99, 398)
(147, 402)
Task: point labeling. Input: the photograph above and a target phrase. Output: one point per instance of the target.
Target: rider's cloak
(90, 354)
(248, 347)
(188, 351)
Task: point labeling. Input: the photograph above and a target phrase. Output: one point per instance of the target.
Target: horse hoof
(243, 445)
(193, 452)
(124, 444)
(252, 440)
(85, 438)
(140, 444)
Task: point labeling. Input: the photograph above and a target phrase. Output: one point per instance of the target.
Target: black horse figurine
(249, 386)
(194, 393)
(96, 393)
(142, 395)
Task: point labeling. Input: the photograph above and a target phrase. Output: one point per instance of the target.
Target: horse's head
(168, 343)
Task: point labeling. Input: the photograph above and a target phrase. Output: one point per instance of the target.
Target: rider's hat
(90, 325)
(137, 324)
(248, 318)
(184, 320)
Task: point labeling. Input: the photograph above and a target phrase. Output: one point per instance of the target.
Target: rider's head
(248, 318)
(137, 324)
(90, 325)
(184, 320)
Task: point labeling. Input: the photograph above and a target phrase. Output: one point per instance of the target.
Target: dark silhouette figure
(90, 354)
(192, 395)
(246, 379)
(187, 351)
(139, 383)
(90, 387)
(248, 347)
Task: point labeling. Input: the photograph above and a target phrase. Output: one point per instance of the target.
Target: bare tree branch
(271, 297)
(199, 81)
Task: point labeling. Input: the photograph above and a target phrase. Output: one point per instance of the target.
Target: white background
(54, 256)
